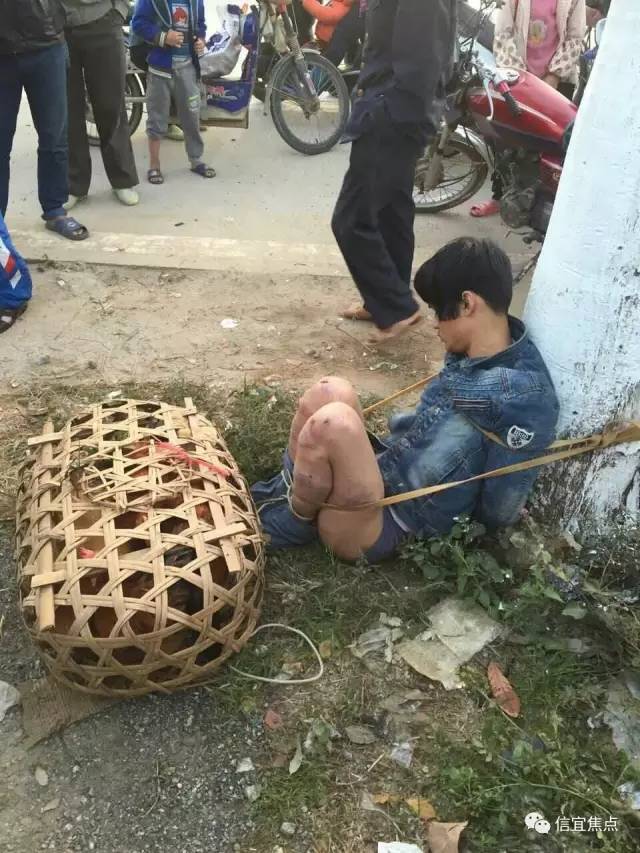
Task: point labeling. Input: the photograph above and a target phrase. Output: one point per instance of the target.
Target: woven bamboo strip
(141, 569)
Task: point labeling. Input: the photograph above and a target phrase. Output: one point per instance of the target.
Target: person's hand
(174, 39)
(552, 80)
(200, 46)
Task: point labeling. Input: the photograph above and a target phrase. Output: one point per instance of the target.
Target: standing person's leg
(158, 106)
(365, 191)
(187, 95)
(397, 216)
(105, 71)
(304, 22)
(44, 77)
(79, 154)
(10, 95)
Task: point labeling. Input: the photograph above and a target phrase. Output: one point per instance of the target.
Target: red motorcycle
(504, 122)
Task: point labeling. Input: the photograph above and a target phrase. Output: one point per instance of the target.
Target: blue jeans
(42, 74)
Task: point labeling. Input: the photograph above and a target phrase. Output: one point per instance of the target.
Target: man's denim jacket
(510, 395)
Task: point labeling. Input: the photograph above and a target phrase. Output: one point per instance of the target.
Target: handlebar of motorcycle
(514, 107)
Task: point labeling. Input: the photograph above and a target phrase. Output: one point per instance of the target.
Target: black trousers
(304, 21)
(347, 33)
(373, 222)
(97, 59)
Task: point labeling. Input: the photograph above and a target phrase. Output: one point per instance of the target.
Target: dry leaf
(52, 805)
(326, 649)
(502, 691)
(360, 734)
(272, 719)
(444, 837)
(418, 806)
(384, 798)
(296, 761)
(422, 808)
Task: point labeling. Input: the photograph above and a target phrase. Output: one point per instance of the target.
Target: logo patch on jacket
(517, 437)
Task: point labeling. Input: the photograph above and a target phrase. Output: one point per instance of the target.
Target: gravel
(149, 775)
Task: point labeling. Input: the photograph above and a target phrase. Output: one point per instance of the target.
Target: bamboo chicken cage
(141, 562)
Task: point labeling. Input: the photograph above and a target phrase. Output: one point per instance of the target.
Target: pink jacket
(512, 33)
(327, 15)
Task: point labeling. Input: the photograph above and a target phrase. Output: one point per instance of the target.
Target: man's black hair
(467, 263)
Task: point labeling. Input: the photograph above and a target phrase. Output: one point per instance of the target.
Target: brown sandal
(357, 312)
(9, 316)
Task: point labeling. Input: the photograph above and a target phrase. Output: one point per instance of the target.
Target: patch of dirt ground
(158, 773)
(96, 324)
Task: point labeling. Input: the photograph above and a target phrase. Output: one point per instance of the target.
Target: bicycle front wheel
(309, 125)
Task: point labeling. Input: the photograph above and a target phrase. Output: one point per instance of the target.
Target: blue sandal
(204, 171)
(9, 317)
(67, 226)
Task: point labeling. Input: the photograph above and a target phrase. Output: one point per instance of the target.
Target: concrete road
(265, 195)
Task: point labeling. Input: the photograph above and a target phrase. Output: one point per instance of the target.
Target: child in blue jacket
(176, 30)
(15, 281)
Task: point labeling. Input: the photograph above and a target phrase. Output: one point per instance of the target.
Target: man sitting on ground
(492, 405)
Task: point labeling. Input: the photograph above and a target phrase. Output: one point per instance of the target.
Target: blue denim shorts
(286, 530)
(390, 540)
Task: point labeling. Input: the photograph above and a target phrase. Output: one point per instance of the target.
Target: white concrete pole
(584, 308)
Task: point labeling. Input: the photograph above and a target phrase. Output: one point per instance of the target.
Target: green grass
(471, 761)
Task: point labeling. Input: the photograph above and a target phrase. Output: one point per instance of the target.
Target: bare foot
(486, 208)
(397, 330)
(357, 312)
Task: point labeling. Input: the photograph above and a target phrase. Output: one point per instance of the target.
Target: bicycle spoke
(451, 184)
(287, 96)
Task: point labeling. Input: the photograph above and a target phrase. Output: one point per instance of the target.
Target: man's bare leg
(336, 464)
(329, 389)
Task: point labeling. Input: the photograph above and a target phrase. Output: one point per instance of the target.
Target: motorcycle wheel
(133, 89)
(446, 181)
(306, 127)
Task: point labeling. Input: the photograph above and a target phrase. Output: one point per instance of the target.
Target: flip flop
(357, 312)
(68, 227)
(203, 170)
(9, 316)
(155, 176)
(486, 208)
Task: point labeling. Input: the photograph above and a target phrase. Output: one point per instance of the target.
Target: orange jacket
(327, 16)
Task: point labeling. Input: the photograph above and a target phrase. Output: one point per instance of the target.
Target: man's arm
(422, 48)
(502, 499)
(525, 421)
(144, 24)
